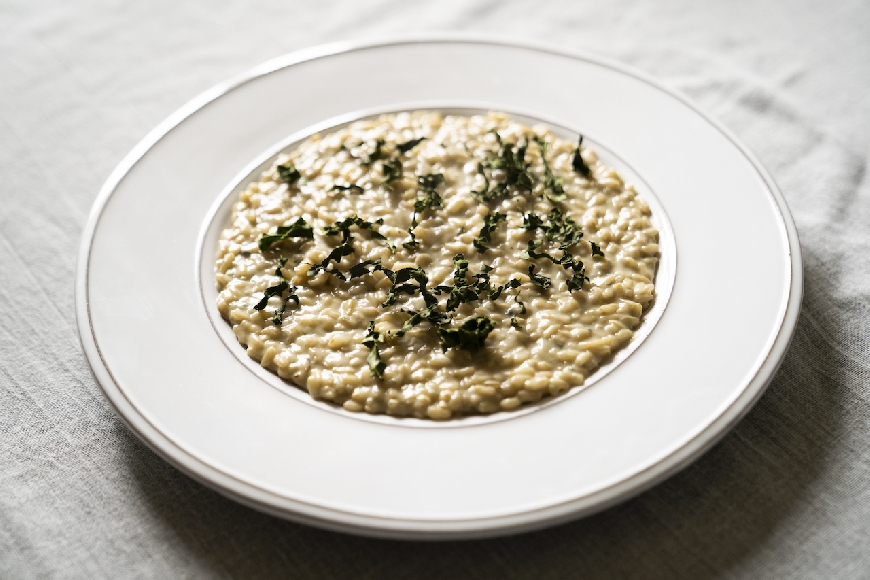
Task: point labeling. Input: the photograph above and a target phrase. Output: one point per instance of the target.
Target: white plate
(166, 364)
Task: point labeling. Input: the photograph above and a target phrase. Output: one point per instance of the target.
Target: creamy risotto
(436, 266)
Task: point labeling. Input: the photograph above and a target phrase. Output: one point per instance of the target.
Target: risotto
(436, 266)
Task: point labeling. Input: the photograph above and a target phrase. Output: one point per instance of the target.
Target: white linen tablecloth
(785, 495)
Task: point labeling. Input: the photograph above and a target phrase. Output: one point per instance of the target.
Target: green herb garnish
(401, 285)
(371, 340)
(513, 169)
(337, 253)
(353, 188)
(408, 145)
(567, 261)
(278, 290)
(427, 183)
(542, 281)
(490, 221)
(361, 269)
(531, 253)
(576, 281)
(521, 304)
(558, 226)
(596, 250)
(288, 173)
(505, 172)
(484, 191)
(495, 292)
(412, 237)
(470, 336)
(430, 181)
(577, 161)
(553, 187)
(562, 228)
(343, 228)
(462, 291)
(429, 314)
(376, 155)
(392, 171)
(345, 248)
(298, 229)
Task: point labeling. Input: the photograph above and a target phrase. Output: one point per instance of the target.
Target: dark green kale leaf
(371, 340)
(343, 228)
(412, 237)
(523, 178)
(431, 200)
(553, 187)
(482, 282)
(394, 292)
(377, 154)
(278, 316)
(563, 228)
(542, 281)
(530, 252)
(428, 183)
(577, 161)
(521, 304)
(495, 292)
(567, 261)
(361, 269)
(408, 145)
(401, 285)
(470, 336)
(576, 281)
(298, 229)
(483, 194)
(418, 275)
(278, 290)
(460, 266)
(490, 221)
(353, 188)
(558, 226)
(345, 248)
(433, 316)
(288, 173)
(337, 253)
(579, 277)
(462, 291)
(513, 164)
(596, 250)
(532, 222)
(460, 294)
(514, 171)
(392, 171)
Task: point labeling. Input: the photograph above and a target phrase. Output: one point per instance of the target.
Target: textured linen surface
(785, 495)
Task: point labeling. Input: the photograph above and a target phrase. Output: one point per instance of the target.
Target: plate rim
(380, 526)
